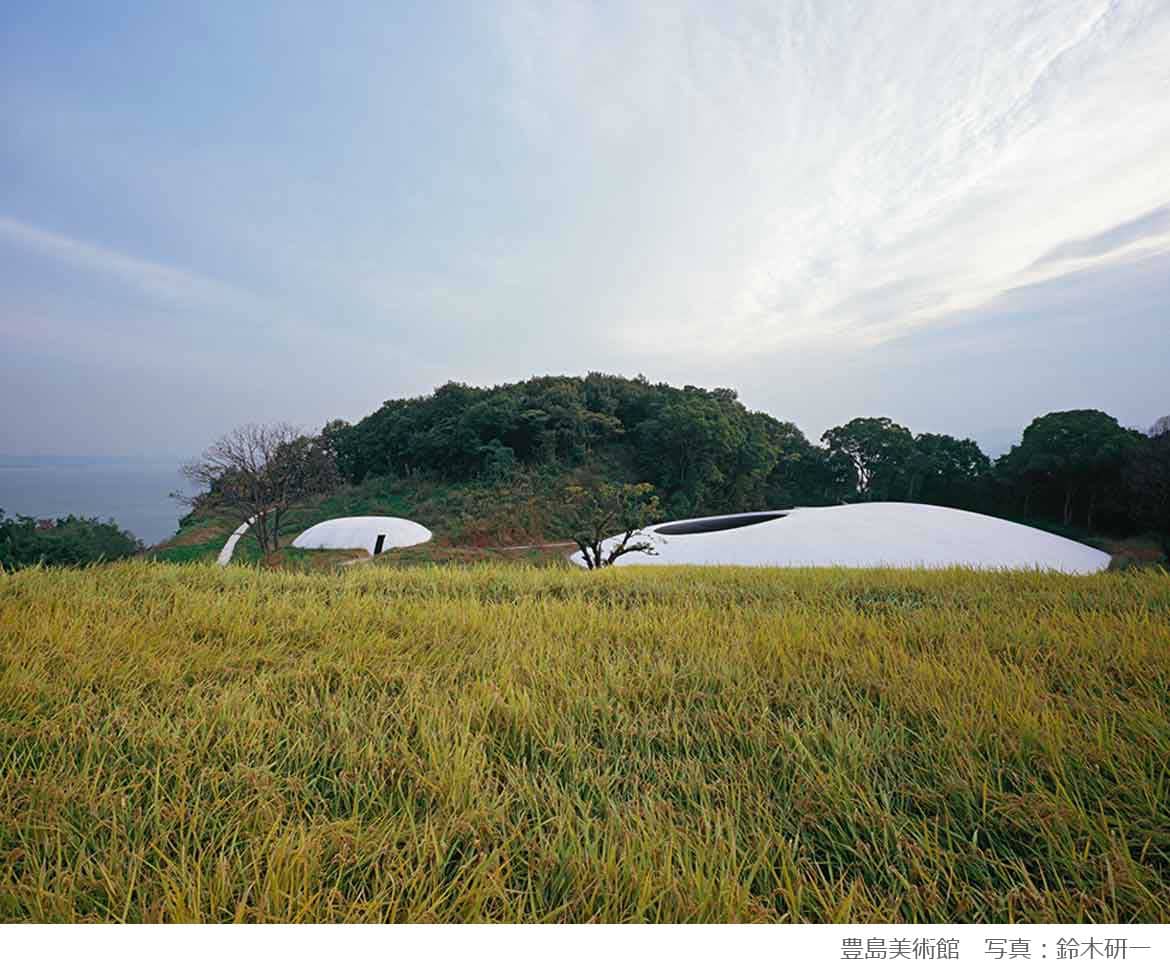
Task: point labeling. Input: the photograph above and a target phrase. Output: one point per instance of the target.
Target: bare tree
(592, 512)
(258, 471)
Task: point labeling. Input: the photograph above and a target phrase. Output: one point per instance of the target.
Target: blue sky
(957, 215)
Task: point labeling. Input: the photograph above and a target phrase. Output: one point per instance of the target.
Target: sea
(134, 492)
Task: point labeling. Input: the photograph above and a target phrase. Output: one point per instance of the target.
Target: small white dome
(865, 534)
(374, 533)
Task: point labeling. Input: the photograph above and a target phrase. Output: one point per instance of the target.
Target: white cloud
(172, 285)
(758, 195)
(792, 174)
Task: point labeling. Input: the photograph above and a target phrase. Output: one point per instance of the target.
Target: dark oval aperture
(717, 523)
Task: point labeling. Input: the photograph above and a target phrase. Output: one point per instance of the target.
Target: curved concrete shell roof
(863, 535)
(363, 532)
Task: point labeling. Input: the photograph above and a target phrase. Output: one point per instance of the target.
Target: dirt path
(543, 545)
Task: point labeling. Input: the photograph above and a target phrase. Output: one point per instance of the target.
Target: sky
(953, 214)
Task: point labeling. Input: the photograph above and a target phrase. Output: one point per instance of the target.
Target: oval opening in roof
(717, 523)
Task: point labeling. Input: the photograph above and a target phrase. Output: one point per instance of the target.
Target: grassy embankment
(184, 743)
(471, 522)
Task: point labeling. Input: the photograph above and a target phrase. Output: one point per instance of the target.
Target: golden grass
(184, 743)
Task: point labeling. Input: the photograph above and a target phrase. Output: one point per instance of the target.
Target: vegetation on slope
(189, 744)
(73, 540)
(706, 453)
(470, 521)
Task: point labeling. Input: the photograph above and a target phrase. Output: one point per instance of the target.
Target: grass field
(503, 742)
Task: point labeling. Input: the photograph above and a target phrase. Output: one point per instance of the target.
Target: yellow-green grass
(185, 743)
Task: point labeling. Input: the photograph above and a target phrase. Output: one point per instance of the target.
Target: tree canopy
(69, 541)
(1077, 455)
(1147, 480)
(701, 449)
(880, 452)
(704, 452)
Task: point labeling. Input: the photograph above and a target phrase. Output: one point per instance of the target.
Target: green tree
(1147, 480)
(592, 512)
(336, 441)
(880, 452)
(945, 470)
(707, 453)
(1078, 454)
(691, 448)
(69, 541)
(802, 473)
(497, 461)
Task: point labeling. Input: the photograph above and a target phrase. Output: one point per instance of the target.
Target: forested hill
(702, 449)
(705, 452)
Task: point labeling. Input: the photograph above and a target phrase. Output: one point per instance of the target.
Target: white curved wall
(874, 534)
(361, 532)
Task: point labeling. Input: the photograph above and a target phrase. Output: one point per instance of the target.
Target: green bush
(70, 541)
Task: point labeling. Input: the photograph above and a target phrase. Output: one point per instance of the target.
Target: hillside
(471, 521)
(483, 468)
(498, 743)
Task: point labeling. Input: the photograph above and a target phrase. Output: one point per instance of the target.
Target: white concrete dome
(374, 533)
(896, 534)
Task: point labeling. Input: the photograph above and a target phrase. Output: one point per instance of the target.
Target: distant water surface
(132, 491)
